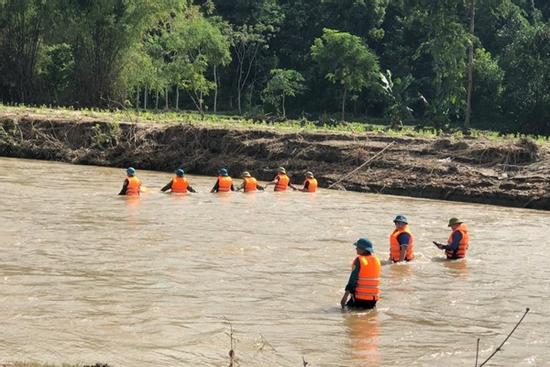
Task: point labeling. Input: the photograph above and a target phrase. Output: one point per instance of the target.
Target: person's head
(223, 172)
(246, 174)
(180, 172)
(364, 246)
(400, 221)
(281, 170)
(309, 174)
(454, 223)
(131, 171)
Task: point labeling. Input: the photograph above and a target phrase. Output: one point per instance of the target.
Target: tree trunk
(470, 66)
(166, 99)
(177, 99)
(344, 104)
(215, 89)
(137, 98)
(157, 100)
(145, 98)
(284, 112)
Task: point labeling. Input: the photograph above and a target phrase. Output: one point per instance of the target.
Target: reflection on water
(363, 332)
(90, 276)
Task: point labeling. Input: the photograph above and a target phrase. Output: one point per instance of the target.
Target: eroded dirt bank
(471, 170)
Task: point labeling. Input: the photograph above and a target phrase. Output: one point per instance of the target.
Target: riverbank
(480, 170)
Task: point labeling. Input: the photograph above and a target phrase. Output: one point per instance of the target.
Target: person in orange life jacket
(249, 183)
(224, 183)
(310, 184)
(401, 241)
(132, 184)
(458, 242)
(281, 181)
(364, 281)
(178, 184)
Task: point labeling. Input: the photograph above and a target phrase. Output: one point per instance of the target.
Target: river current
(88, 276)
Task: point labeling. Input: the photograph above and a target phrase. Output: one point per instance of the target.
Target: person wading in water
(364, 281)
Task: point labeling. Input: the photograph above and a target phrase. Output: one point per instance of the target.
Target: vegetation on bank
(394, 60)
(236, 121)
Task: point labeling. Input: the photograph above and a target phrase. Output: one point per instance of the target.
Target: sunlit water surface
(88, 276)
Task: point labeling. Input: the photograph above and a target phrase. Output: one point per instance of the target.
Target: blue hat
(364, 244)
(223, 172)
(401, 218)
(180, 172)
(131, 171)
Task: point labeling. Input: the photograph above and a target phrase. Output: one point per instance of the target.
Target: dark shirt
(453, 246)
(124, 187)
(403, 239)
(354, 276)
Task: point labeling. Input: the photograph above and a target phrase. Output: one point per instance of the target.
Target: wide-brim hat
(309, 174)
(246, 174)
(281, 169)
(454, 221)
(364, 244)
(401, 218)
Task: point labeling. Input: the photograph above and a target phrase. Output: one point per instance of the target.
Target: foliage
(283, 83)
(345, 60)
(223, 53)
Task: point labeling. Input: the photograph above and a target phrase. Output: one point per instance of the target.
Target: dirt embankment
(471, 170)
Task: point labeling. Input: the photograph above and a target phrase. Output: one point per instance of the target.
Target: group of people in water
(363, 287)
(224, 183)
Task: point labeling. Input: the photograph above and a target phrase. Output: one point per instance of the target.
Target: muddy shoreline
(477, 170)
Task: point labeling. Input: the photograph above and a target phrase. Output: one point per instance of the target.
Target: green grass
(234, 121)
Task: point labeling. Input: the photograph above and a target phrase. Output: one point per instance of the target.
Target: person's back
(282, 182)
(310, 183)
(131, 185)
(224, 183)
(179, 185)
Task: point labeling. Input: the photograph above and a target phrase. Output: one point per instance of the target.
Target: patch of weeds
(105, 135)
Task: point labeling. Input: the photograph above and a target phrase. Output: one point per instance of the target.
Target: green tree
(283, 83)
(526, 64)
(345, 60)
(23, 25)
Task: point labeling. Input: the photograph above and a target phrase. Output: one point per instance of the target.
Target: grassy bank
(259, 122)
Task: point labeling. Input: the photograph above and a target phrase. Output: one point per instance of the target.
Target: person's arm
(261, 188)
(453, 246)
(306, 186)
(403, 240)
(273, 182)
(216, 186)
(166, 187)
(241, 186)
(232, 187)
(294, 188)
(124, 187)
(191, 189)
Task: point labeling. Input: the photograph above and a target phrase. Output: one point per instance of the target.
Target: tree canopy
(297, 58)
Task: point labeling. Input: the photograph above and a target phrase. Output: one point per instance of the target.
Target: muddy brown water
(87, 276)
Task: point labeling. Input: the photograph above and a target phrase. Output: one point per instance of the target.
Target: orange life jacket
(179, 184)
(134, 186)
(312, 187)
(282, 182)
(224, 183)
(368, 284)
(462, 245)
(395, 250)
(249, 184)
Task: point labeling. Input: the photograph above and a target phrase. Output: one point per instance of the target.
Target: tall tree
(346, 61)
(283, 83)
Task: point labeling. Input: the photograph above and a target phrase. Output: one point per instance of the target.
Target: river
(88, 276)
